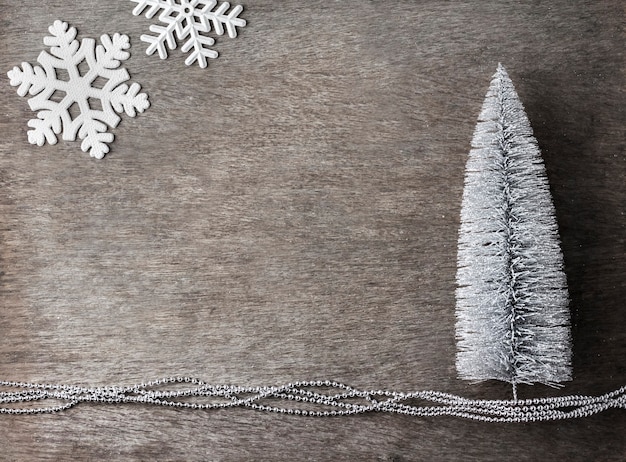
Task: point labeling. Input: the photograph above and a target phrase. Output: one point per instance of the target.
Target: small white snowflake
(189, 21)
(96, 105)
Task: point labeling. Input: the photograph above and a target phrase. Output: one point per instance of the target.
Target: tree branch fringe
(307, 398)
(513, 322)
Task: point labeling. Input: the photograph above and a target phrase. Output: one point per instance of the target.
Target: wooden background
(291, 213)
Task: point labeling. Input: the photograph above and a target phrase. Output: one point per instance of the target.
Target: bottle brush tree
(513, 321)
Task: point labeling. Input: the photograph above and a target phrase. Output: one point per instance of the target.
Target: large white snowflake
(189, 21)
(74, 99)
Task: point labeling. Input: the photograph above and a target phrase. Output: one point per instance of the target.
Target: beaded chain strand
(306, 398)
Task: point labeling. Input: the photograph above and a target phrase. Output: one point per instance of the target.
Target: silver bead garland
(306, 398)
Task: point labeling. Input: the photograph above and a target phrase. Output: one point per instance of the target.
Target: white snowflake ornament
(60, 88)
(189, 21)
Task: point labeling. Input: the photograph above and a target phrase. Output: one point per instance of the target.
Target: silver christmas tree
(513, 321)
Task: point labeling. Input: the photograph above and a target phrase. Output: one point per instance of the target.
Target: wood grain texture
(291, 213)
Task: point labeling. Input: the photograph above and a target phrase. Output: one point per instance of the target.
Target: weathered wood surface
(291, 212)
